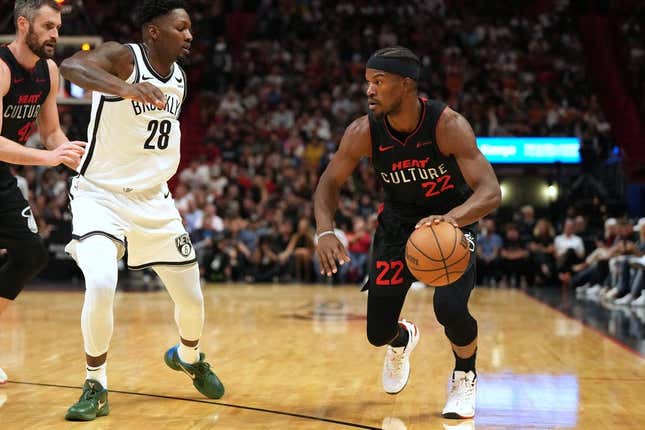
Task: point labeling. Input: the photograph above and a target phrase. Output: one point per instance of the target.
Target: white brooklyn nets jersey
(135, 146)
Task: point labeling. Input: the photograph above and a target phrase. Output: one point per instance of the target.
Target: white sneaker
(396, 368)
(640, 301)
(462, 394)
(3, 377)
(611, 294)
(624, 301)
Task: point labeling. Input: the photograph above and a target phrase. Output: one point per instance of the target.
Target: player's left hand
(435, 219)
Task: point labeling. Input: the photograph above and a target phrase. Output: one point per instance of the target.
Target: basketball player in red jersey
(426, 158)
(28, 88)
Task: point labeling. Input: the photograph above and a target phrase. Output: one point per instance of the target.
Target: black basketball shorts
(388, 271)
(17, 224)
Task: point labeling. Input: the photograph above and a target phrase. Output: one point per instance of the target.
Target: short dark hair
(398, 52)
(151, 9)
(28, 8)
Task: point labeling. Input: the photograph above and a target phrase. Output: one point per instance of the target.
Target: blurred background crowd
(273, 84)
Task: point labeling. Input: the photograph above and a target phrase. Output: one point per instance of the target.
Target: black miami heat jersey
(28, 90)
(417, 178)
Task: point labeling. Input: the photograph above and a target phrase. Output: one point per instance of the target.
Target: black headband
(398, 66)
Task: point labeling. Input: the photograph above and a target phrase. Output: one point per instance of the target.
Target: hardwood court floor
(296, 357)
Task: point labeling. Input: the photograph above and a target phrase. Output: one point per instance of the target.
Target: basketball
(437, 255)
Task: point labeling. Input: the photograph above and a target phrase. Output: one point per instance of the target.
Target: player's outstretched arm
(456, 137)
(356, 143)
(105, 69)
(14, 153)
(49, 125)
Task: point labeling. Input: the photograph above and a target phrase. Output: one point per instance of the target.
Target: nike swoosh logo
(165, 196)
(186, 371)
(179, 79)
(17, 81)
(385, 148)
(420, 144)
(146, 78)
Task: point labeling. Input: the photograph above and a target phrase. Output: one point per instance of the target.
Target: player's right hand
(68, 153)
(145, 92)
(330, 250)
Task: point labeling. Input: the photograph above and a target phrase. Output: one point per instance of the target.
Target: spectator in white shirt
(569, 250)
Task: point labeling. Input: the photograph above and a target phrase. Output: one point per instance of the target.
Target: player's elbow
(69, 66)
(66, 67)
(495, 197)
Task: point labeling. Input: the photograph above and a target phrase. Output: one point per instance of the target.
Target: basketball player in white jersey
(120, 199)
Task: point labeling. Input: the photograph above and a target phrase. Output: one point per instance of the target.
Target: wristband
(324, 233)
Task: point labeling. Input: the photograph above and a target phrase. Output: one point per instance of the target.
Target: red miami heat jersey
(417, 178)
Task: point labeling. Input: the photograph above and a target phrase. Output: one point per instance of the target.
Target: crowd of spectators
(274, 84)
(601, 263)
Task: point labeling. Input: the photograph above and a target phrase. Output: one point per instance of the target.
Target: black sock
(465, 364)
(401, 339)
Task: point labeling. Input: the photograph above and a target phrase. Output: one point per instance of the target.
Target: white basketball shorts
(147, 224)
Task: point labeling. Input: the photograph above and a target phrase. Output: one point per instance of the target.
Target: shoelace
(201, 367)
(462, 389)
(89, 394)
(394, 362)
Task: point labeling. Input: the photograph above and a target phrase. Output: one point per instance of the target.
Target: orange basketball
(437, 255)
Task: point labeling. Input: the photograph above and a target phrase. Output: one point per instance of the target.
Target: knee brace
(462, 331)
(96, 256)
(451, 308)
(26, 260)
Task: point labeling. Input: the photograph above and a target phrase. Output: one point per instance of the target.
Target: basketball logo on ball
(438, 254)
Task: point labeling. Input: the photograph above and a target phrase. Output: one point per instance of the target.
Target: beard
(393, 108)
(37, 49)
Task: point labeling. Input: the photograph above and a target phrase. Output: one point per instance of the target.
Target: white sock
(97, 373)
(188, 354)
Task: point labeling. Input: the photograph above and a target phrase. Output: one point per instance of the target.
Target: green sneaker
(93, 403)
(203, 377)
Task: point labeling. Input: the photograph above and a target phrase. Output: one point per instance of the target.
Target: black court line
(228, 405)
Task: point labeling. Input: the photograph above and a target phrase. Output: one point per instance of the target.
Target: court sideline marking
(228, 405)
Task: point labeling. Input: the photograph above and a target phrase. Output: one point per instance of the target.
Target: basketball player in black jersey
(28, 88)
(428, 163)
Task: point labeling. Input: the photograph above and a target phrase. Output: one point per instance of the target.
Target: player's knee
(379, 336)
(452, 313)
(100, 289)
(463, 331)
(448, 308)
